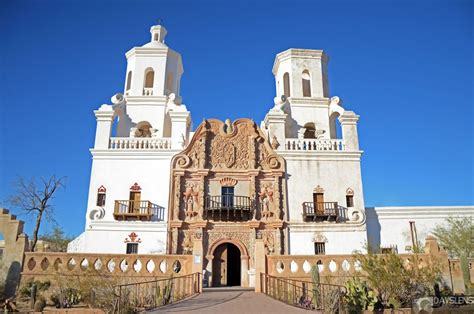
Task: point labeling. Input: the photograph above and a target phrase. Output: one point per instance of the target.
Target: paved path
(230, 301)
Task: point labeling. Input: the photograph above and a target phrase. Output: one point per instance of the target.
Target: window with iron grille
(227, 196)
(100, 199)
(132, 248)
(319, 248)
(350, 200)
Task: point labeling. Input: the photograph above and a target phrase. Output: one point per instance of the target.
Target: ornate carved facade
(228, 155)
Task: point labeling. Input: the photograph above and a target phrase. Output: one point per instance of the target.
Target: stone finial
(275, 143)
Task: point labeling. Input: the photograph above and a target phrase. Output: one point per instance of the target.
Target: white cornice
(133, 154)
(148, 52)
(146, 100)
(419, 212)
(126, 226)
(298, 53)
(312, 102)
(320, 155)
(328, 227)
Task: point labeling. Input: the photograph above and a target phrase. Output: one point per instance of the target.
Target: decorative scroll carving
(243, 236)
(133, 238)
(318, 189)
(135, 187)
(319, 237)
(228, 181)
(101, 189)
(97, 213)
(183, 161)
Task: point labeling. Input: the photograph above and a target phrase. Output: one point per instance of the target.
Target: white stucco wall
(110, 237)
(390, 225)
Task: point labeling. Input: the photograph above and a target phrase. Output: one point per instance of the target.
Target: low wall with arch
(336, 269)
(129, 267)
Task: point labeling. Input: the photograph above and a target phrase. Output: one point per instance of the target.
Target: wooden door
(318, 200)
(135, 198)
(219, 266)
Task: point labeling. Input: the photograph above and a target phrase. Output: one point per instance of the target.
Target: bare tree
(34, 197)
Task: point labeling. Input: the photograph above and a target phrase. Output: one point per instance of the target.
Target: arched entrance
(226, 266)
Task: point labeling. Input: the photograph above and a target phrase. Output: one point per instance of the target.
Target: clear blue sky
(406, 67)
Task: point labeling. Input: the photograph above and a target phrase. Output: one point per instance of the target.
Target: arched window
(149, 78)
(310, 131)
(169, 82)
(334, 126)
(286, 84)
(129, 80)
(101, 196)
(306, 81)
(155, 37)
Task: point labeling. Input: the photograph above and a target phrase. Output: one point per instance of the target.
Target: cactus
(358, 296)
(316, 281)
(168, 291)
(466, 274)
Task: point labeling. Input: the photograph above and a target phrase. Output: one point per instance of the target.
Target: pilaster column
(348, 122)
(260, 261)
(275, 121)
(104, 117)
(179, 128)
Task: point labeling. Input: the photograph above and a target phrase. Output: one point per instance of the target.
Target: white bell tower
(152, 88)
(301, 76)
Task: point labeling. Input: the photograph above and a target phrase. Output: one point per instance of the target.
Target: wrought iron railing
(318, 211)
(143, 296)
(228, 207)
(143, 210)
(305, 294)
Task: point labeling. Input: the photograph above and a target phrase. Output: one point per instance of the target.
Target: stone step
(227, 289)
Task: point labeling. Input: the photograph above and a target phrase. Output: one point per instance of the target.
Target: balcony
(321, 211)
(308, 144)
(138, 210)
(228, 208)
(139, 143)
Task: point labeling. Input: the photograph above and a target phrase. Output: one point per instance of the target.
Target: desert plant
(358, 296)
(41, 286)
(398, 282)
(66, 298)
(456, 237)
(40, 304)
(168, 291)
(316, 285)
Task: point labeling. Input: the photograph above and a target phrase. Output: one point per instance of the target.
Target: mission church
(157, 185)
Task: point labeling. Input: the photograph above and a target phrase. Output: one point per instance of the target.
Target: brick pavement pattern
(230, 302)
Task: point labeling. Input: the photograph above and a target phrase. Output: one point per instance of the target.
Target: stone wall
(15, 244)
(336, 269)
(129, 267)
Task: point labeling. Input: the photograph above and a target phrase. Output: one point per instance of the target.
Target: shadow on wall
(373, 228)
(12, 279)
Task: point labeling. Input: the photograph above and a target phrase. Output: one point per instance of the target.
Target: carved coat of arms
(228, 154)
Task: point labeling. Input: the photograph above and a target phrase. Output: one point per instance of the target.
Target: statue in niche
(269, 243)
(187, 244)
(191, 200)
(266, 200)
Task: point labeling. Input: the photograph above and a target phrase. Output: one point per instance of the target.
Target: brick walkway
(230, 301)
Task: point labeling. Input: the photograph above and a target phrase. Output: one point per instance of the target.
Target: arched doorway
(226, 265)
